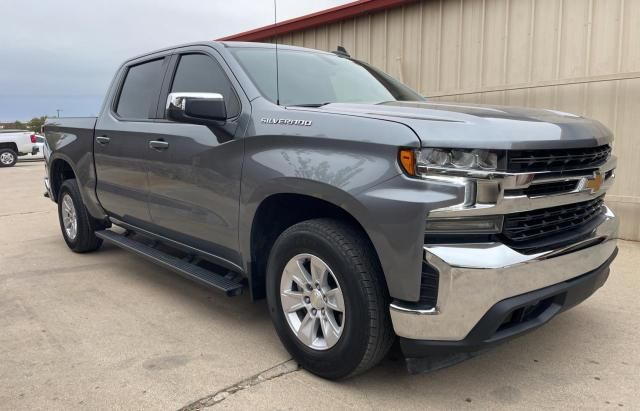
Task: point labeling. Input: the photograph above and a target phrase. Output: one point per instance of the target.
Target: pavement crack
(278, 370)
(24, 213)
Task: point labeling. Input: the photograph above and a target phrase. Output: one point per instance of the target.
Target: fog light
(491, 224)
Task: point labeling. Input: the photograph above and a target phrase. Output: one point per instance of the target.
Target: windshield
(308, 78)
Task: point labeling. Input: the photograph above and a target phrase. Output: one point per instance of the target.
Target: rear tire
(364, 324)
(78, 227)
(8, 157)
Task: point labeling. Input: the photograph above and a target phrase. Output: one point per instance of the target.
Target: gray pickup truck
(364, 213)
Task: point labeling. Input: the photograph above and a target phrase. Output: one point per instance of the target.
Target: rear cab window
(140, 89)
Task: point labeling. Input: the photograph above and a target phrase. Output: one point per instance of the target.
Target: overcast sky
(61, 54)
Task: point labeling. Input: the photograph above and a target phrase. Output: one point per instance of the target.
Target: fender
(321, 191)
(84, 172)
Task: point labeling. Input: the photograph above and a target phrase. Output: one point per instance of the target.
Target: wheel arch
(278, 211)
(61, 167)
(60, 170)
(10, 145)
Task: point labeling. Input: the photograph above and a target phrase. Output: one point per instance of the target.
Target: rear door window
(140, 90)
(202, 74)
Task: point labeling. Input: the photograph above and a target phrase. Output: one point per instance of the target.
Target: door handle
(104, 140)
(158, 145)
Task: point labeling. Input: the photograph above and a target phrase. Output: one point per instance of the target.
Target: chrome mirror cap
(196, 108)
(179, 100)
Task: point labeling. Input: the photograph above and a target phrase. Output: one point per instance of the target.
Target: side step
(184, 268)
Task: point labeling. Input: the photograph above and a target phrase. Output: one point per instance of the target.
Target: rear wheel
(78, 227)
(327, 298)
(8, 157)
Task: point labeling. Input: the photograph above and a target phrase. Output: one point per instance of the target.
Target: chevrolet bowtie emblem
(594, 183)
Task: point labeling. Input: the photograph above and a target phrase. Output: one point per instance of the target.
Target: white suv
(14, 143)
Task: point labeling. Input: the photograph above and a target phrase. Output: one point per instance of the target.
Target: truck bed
(71, 139)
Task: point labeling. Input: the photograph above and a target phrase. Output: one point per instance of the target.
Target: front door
(121, 143)
(194, 170)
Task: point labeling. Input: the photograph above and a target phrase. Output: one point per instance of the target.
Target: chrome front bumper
(474, 277)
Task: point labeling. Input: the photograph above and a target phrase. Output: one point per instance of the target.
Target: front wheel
(78, 227)
(327, 298)
(8, 157)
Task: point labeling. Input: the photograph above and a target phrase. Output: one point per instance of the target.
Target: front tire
(78, 227)
(8, 157)
(327, 298)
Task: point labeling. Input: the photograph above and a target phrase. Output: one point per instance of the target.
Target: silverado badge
(285, 121)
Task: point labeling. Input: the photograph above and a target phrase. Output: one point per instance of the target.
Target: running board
(182, 267)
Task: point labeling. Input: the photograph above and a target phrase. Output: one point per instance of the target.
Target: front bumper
(476, 278)
(507, 319)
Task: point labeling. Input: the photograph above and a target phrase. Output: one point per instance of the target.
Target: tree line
(35, 124)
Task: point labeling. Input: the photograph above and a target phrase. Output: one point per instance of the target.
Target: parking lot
(109, 330)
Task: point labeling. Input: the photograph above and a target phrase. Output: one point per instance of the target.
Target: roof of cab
(249, 44)
(226, 44)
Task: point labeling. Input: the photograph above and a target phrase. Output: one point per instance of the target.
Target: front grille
(545, 189)
(557, 160)
(537, 229)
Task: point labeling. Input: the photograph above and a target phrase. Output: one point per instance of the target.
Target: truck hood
(484, 126)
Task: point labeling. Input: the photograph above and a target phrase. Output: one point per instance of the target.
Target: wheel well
(279, 212)
(60, 171)
(12, 146)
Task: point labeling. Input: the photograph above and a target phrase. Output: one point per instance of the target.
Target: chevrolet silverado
(364, 213)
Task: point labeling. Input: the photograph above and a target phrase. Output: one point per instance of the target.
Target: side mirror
(196, 108)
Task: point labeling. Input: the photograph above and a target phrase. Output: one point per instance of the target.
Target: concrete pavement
(109, 330)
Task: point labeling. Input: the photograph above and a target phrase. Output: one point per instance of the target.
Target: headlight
(457, 158)
(418, 162)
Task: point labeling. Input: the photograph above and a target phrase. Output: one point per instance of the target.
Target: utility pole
(58, 111)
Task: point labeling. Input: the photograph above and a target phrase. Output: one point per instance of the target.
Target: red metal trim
(331, 15)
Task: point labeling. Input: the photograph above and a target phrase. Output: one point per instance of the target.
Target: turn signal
(407, 159)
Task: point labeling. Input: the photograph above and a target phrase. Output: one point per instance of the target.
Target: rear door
(122, 137)
(194, 179)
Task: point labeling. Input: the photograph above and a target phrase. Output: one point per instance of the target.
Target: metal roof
(346, 11)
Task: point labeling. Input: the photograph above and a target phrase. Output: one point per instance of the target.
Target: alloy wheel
(312, 301)
(69, 217)
(7, 158)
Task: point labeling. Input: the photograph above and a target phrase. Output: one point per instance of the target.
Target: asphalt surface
(108, 330)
